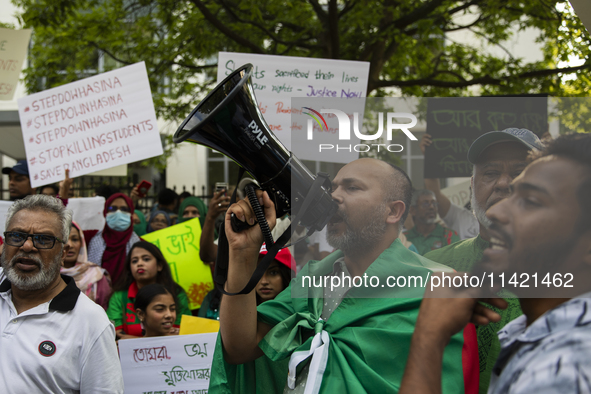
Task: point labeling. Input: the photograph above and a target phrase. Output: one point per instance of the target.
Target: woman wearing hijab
(139, 222)
(110, 246)
(158, 221)
(91, 279)
(192, 207)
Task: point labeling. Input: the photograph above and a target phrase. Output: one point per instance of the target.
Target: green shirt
(438, 238)
(462, 256)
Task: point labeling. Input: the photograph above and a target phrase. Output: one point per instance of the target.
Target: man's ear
(65, 251)
(395, 211)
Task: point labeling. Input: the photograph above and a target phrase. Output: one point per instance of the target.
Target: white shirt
(66, 345)
(462, 221)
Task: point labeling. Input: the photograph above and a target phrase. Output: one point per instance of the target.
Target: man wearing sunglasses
(54, 339)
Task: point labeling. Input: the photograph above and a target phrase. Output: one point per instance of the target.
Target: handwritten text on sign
(180, 246)
(13, 50)
(276, 79)
(162, 364)
(89, 125)
(455, 122)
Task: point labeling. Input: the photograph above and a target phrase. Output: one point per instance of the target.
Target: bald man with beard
(322, 337)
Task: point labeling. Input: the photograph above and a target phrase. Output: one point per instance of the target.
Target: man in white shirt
(54, 339)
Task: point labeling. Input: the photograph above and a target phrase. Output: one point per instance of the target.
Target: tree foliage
(402, 39)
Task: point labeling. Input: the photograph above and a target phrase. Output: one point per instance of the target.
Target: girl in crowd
(109, 247)
(156, 308)
(275, 279)
(91, 279)
(145, 265)
(158, 221)
(139, 222)
(192, 207)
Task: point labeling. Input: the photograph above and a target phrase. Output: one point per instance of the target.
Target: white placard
(86, 211)
(276, 79)
(13, 51)
(89, 125)
(458, 194)
(179, 364)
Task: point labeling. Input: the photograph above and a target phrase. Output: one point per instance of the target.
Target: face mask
(119, 221)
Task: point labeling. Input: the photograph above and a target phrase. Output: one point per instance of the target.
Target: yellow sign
(198, 325)
(180, 246)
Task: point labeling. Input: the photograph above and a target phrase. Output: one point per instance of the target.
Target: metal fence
(86, 186)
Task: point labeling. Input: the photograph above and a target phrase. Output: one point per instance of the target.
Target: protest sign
(454, 123)
(180, 246)
(89, 125)
(198, 325)
(171, 364)
(13, 51)
(458, 194)
(86, 211)
(276, 79)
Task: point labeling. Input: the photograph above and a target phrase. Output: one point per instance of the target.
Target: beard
(479, 212)
(362, 239)
(38, 281)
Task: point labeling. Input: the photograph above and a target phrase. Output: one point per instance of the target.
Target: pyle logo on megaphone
(345, 129)
(256, 134)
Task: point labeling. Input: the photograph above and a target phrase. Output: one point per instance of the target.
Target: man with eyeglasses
(54, 339)
(427, 234)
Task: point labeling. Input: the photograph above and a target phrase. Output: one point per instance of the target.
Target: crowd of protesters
(530, 207)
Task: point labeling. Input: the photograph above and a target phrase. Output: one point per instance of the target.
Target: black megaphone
(229, 121)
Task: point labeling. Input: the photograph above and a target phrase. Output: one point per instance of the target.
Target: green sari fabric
(370, 333)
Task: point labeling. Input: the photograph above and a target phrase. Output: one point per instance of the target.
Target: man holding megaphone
(345, 323)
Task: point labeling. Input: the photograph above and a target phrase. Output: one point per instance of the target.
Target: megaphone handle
(238, 225)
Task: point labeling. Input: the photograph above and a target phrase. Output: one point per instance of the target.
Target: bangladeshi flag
(362, 347)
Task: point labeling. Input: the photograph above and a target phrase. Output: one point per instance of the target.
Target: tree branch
(239, 39)
(486, 80)
(97, 46)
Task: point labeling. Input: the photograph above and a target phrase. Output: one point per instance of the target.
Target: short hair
(419, 193)
(185, 194)
(43, 203)
(53, 186)
(167, 197)
(146, 294)
(399, 188)
(576, 147)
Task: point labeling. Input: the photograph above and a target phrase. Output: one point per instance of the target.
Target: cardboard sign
(86, 211)
(198, 325)
(458, 194)
(171, 364)
(13, 51)
(89, 125)
(454, 123)
(180, 246)
(276, 79)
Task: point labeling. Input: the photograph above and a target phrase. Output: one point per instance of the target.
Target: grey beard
(479, 212)
(39, 281)
(354, 242)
